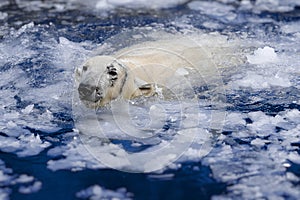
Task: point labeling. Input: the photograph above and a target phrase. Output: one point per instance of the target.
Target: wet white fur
(140, 68)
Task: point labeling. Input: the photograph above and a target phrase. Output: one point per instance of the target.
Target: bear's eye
(84, 68)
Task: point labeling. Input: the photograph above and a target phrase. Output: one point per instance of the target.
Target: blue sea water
(255, 156)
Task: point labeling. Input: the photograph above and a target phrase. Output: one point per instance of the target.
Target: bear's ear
(112, 74)
(80, 70)
(77, 74)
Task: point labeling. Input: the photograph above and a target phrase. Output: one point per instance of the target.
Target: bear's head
(100, 80)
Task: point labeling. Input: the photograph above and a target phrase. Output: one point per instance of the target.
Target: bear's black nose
(89, 93)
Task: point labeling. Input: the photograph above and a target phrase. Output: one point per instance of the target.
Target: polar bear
(155, 67)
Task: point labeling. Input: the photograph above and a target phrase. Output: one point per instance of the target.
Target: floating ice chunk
(158, 116)
(201, 146)
(36, 186)
(263, 55)
(234, 121)
(3, 15)
(24, 145)
(97, 192)
(262, 124)
(156, 4)
(292, 177)
(11, 125)
(275, 5)
(258, 81)
(162, 176)
(34, 145)
(24, 28)
(28, 109)
(70, 53)
(4, 177)
(11, 115)
(68, 163)
(193, 118)
(211, 7)
(24, 178)
(225, 152)
(260, 187)
(258, 142)
(214, 9)
(9, 144)
(76, 157)
(4, 193)
(293, 115)
(160, 162)
(103, 5)
(57, 151)
(260, 118)
(4, 169)
(293, 27)
(294, 157)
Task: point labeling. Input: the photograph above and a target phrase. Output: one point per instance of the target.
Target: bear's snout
(89, 93)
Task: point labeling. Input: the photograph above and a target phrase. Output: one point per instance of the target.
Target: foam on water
(255, 153)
